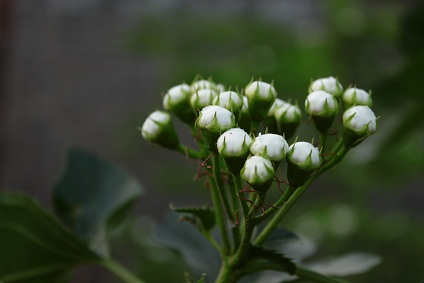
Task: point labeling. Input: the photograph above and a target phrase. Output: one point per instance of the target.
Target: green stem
(119, 271)
(278, 204)
(217, 201)
(219, 217)
(249, 225)
(239, 187)
(189, 152)
(305, 273)
(322, 141)
(218, 179)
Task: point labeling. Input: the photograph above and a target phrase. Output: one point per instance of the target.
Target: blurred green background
(90, 72)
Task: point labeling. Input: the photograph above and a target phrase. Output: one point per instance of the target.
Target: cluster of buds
(323, 103)
(228, 123)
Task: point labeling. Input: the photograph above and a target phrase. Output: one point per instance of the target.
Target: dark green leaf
(92, 196)
(201, 217)
(34, 247)
(198, 253)
(269, 256)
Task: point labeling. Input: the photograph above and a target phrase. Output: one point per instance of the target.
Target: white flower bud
(330, 85)
(271, 146)
(244, 121)
(158, 128)
(288, 118)
(321, 103)
(176, 101)
(355, 96)
(202, 84)
(360, 120)
(261, 96)
(288, 113)
(303, 159)
(202, 98)
(304, 155)
(220, 88)
(212, 121)
(258, 172)
(234, 142)
(278, 103)
(175, 96)
(230, 100)
(322, 107)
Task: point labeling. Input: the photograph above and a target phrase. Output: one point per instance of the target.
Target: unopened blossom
(176, 101)
(230, 100)
(302, 159)
(360, 119)
(212, 121)
(304, 155)
(330, 85)
(355, 96)
(158, 128)
(261, 96)
(234, 142)
(202, 98)
(202, 84)
(321, 103)
(272, 146)
(288, 118)
(322, 107)
(258, 172)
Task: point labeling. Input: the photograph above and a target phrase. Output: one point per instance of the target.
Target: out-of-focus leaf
(202, 279)
(92, 196)
(202, 218)
(349, 264)
(257, 254)
(34, 247)
(269, 277)
(278, 238)
(199, 254)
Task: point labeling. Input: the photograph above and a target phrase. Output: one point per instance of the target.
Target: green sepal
(203, 218)
(297, 176)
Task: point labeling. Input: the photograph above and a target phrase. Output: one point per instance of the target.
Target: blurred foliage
(376, 45)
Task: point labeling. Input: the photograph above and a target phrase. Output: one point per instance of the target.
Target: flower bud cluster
(323, 104)
(226, 123)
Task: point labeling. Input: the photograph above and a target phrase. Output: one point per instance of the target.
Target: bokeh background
(88, 72)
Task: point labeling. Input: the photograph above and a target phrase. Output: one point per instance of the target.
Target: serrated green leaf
(259, 253)
(92, 196)
(201, 217)
(34, 247)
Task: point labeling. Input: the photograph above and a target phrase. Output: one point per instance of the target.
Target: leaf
(93, 196)
(349, 264)
(202, 279)
(259, 253)
(34, 247)
(278, 238)
(198, 253)
(202, 218)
